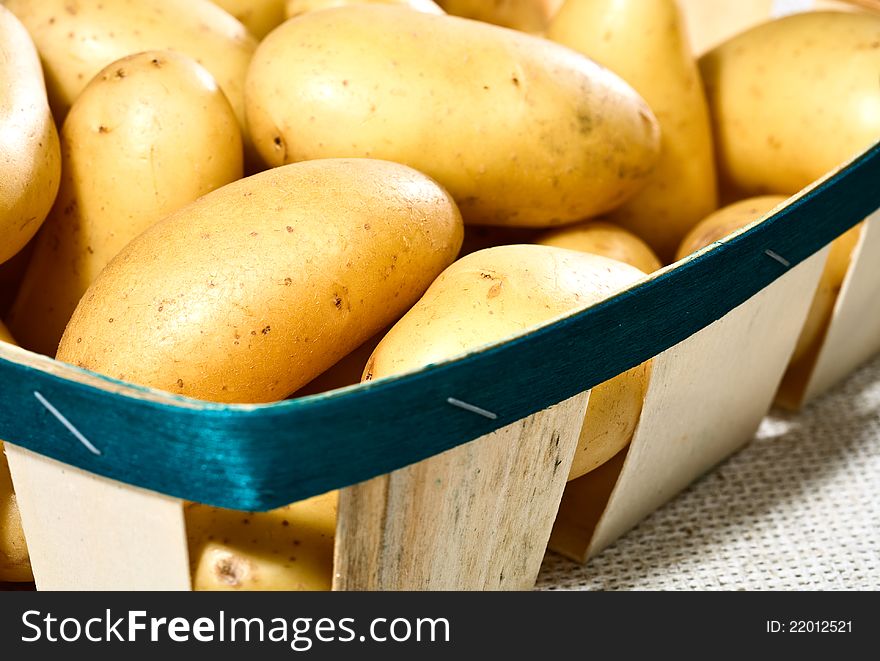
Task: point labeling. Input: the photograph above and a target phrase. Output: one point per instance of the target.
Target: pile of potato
(419, 185)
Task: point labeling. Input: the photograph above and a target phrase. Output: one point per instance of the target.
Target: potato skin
(605, 239)
(645, 43)
(260, 17)
(15, 565)
(290, 548)
(151, 133)
(299, 7)
(711, 23)
(522, 132)
(793, 99)
(727, 220)
(738, 215)
(30, 167)
(497, 293)
(251, 291)
(78, 38)
(524, 15)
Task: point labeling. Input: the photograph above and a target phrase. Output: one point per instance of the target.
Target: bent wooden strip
(706, 399)
(476, 517)
(89, 533)
(854, 332)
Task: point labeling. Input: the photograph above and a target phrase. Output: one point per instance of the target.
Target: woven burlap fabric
(799, 508)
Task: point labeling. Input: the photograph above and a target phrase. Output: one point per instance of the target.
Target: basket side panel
(89, 533)
(707, 397)
(477, 517)
(854, 332)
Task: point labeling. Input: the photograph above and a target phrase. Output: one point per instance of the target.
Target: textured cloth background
(799, 508)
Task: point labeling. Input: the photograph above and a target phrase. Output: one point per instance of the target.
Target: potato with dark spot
(296, 8)
(499, 293)
(521, 131)
(15, 565)
(151, 133)
(30, 159)
(251, 291)
(793, 99)
(78, 38)
(290, 548)
(605, 239)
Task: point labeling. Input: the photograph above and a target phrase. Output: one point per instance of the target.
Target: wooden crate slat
(476, 517)
(89, 533)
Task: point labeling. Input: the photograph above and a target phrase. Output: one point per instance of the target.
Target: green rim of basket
(261, 457)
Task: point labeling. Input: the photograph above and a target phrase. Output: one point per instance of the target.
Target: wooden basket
(721, 326)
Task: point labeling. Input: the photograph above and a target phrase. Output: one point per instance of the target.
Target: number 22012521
(809, 626)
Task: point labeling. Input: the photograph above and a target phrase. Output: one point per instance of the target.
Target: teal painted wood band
(260, 457)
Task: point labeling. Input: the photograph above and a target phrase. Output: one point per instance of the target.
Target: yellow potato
(524, 15)
(711, 23)
(605, 239)
(290, 548)
(251, 291)
(15, 565)
(150, 134)
(736, 216)
(498, 293)
(78, 39)
(793, 99)
(298, 7)
(522, 132)
(644, 42)
(727, 220)
(30, 159)
(260, 17)
(616, 405)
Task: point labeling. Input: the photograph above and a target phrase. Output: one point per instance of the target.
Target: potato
(30, 166)
(521, 131)
(260, 17)
(493, 295)
(644, 42)
(298, 7)
(727, 220)
(150, 134)
(15, 565)
(524, 15)
(251, 291)
(290, 548)
(605, 239)
(711, 23)
(793, 99)
(77, 39)
(736, 216)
